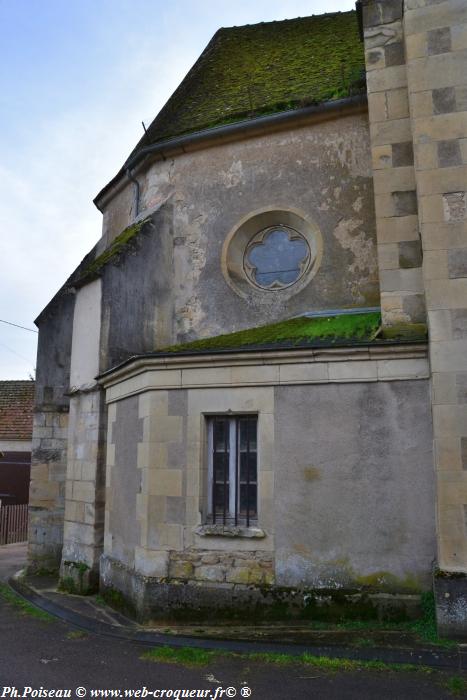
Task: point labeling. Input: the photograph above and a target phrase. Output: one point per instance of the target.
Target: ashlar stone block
(439, 41)
(449, 153)
(444, 100)
(457, 263)
(455, 206)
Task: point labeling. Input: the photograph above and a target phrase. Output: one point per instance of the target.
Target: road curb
(440, 659)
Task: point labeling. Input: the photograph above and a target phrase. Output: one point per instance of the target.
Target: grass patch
(327, 663)
(457, 685)
(77, 634)
(363, 642)
(295, 331)
(184, 656)
(22, 605)
(187, 656)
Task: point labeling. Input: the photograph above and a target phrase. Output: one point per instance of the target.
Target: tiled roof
(295, 332)
(265, 68)
(16, 409)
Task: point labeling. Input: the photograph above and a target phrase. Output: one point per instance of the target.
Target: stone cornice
(267, 368)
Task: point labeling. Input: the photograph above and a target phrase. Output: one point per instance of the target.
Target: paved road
(34, 653)
(12, 559)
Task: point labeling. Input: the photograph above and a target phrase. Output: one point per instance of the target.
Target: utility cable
(17, 326)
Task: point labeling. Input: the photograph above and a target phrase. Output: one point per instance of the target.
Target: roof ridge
(17, 381)
(286, 19)
(254, 69)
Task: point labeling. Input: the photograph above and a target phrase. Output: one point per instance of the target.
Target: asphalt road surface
(35, 654)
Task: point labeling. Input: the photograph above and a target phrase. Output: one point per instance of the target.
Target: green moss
(384, 580)
(116, 248)
(426, 627)
(265, 68)
(188, 656)
(296, 331)
(77, 578)
(67, 584)
(23, 606)
(457, 685)
(116, 600)
(80, 566)
(405, 331)
(185, 656)
(77, 634)
(44, 571)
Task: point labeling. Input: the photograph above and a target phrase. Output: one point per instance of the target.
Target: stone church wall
(322, 170)
(346, 483)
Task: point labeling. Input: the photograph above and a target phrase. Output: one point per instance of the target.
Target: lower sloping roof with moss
(350, 328)
(295, 332)
(265, 68)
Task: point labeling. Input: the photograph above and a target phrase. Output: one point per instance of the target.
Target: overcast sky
(77, 77)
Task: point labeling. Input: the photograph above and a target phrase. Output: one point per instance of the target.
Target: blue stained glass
(278, 258)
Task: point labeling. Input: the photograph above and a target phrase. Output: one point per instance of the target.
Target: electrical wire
(17, 326)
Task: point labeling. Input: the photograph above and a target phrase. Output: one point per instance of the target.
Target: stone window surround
(239, 239)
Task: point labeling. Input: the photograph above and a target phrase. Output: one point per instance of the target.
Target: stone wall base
(45, 540)
(148, 598)
(451, 604)
(78, 578)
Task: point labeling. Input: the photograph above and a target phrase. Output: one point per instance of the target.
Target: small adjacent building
(251, 393)
(16, 418)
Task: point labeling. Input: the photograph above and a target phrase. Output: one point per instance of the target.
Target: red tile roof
(16, 408)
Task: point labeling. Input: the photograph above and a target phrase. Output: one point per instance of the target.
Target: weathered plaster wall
(323, 170)
(137, 293)
(354, 487)
(86, 335)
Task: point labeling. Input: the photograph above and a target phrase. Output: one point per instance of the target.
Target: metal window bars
(234, 469)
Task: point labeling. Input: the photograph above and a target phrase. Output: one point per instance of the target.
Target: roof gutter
(229, 132)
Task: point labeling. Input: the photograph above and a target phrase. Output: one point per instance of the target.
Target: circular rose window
(276, 257)
(271, 251)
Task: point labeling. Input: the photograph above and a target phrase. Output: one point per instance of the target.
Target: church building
(251, 394)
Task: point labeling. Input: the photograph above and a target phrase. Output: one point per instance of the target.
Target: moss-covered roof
(345, 329)
(298, 332)
(265, 68)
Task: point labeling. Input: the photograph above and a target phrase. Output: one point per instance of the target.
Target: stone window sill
(252, 532)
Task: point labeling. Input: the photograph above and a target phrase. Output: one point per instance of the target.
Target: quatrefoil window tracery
(276, 257)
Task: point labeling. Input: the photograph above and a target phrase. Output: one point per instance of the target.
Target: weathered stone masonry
(432, 34)
(348, 499)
